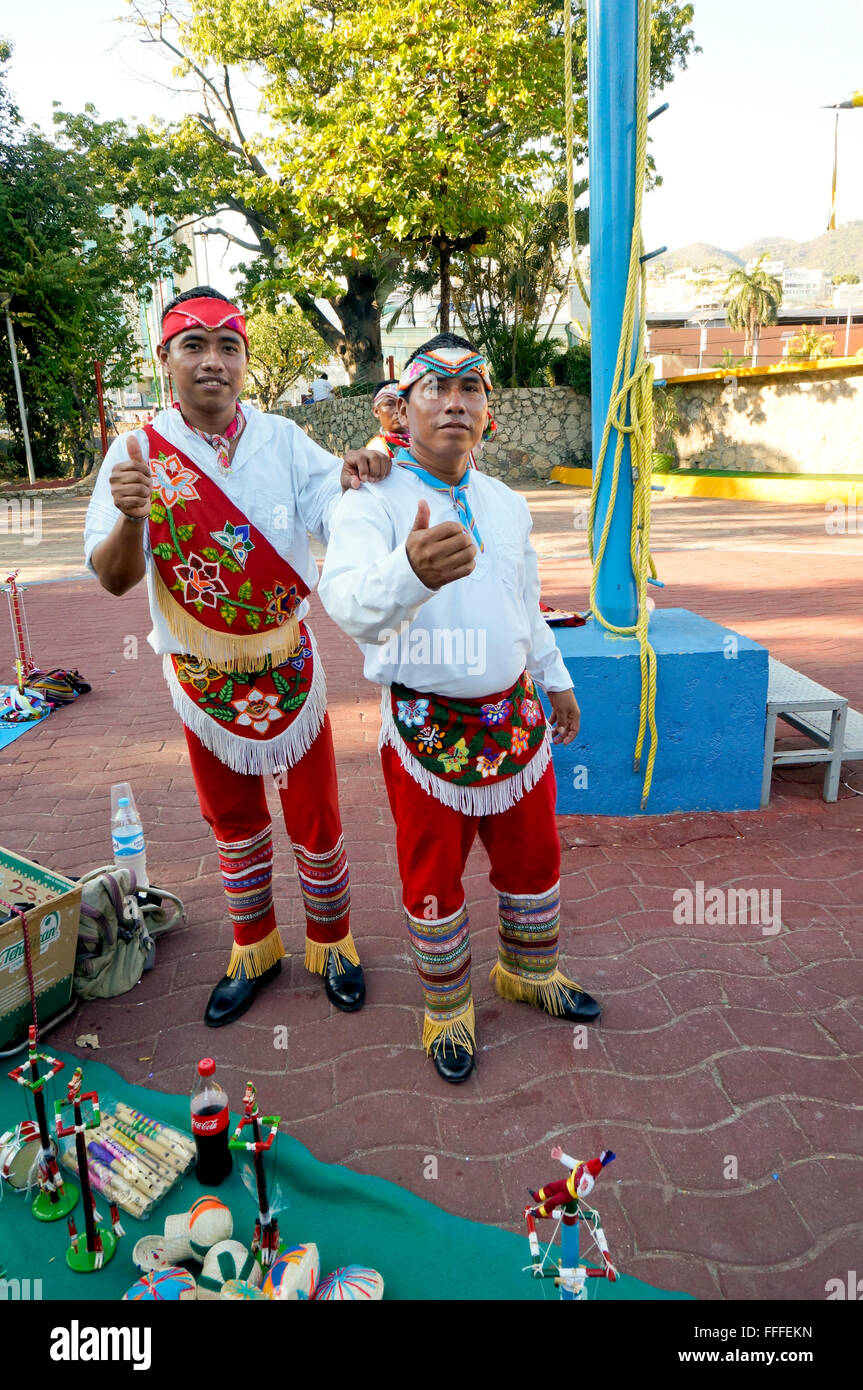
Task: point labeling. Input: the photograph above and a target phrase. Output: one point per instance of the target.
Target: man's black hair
(442, 340)
(383, 386)
(199, 292)
(322, 376)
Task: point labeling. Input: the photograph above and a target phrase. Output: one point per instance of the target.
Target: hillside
(836, 253)
(699, 254)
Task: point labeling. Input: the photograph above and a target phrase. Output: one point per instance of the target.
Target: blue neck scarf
(456, 492)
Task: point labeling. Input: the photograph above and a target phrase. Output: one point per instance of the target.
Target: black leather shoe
(233, 995)
(579, 1008)
(346, 988)
(453, 1062)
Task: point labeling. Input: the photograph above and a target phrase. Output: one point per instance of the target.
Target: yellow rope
(574, 272)
(632, 395)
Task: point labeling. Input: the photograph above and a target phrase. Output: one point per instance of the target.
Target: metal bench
(820, 714)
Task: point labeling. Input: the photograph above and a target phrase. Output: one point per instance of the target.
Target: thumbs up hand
(131, 485)
(441, 554)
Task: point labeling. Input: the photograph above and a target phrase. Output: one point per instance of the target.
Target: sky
(744, 151)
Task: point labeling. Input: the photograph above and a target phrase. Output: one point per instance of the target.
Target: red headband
(203, 313)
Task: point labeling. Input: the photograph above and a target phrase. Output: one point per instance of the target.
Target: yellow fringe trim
(549, 994)
(223, 649)
(461, 1030)
(319, 952)
(258, 958)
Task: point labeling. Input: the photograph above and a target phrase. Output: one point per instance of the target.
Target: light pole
(5, 301)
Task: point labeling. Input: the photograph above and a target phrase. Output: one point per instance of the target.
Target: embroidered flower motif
(496, 714)
(200, 674)
(283, 602)
(257, 710)
(520, 739)
(300, 657)
(488, 764)
(201, 582)
(529, 686)
(171, 481)
(530, 712)
(454, 757)
(429, 739)
(234, 539)
(413, 713)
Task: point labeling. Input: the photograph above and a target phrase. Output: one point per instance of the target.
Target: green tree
(392, 135)
(282, 347)
(754, 298)
(71, 268)
(506, 284)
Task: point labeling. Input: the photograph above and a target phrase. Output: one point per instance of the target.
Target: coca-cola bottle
(210, 1126)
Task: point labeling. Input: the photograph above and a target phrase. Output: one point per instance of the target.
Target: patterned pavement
(726, 1072)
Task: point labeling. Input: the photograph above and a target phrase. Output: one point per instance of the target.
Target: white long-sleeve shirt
(468, 639)
(283, 482)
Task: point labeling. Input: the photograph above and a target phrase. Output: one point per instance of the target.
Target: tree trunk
(358, 342)
(444, 256)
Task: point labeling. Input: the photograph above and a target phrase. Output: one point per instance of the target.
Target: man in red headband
(212, 501)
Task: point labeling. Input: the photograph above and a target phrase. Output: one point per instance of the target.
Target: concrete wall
(537, 429)
(794, 423)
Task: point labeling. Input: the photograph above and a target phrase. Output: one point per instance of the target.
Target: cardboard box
(52, 926)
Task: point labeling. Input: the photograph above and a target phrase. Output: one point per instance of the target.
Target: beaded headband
(444, 362)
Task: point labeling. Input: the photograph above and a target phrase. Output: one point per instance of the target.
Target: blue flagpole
(612, 27)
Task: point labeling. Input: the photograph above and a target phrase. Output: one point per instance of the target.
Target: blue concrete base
(711, 705)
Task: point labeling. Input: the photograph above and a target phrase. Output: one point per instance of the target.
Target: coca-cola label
(210, 1124)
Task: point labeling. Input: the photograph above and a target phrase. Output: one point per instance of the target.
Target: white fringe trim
(486, 800)
(252, 756)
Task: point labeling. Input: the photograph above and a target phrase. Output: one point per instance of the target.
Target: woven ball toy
(350, 1284)
(169, 1285)
(294, 1275)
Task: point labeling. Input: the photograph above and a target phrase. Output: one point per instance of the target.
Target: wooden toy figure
(100, 1241)
(566, 1199)
(265, 1244)
(55, 1198)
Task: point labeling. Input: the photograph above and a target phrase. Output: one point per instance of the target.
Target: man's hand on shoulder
(364, 466)
(131, 485)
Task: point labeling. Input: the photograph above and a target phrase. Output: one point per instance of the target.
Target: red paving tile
(717, 1041)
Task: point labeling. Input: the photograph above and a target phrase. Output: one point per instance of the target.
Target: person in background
(385, 408)
(321, 388)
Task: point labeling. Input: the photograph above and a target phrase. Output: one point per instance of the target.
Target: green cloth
(421, 1251)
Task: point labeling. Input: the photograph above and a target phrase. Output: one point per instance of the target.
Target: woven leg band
(441, 949)
(527, 963)
(325, 886)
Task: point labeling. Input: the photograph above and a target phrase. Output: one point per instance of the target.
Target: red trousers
(433, 842)
(234, 805)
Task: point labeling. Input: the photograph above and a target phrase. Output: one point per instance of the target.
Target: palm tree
(755, 297)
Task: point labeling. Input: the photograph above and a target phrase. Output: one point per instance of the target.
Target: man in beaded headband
(210, 483)
(434, 575)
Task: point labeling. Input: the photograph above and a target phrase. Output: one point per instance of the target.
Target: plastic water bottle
(210, 1121)
(127, 840)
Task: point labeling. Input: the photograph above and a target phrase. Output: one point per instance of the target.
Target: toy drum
(19, 1156)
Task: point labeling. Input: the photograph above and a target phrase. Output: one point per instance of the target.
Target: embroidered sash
(224, 591)
(478, 756)
(254, 721)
